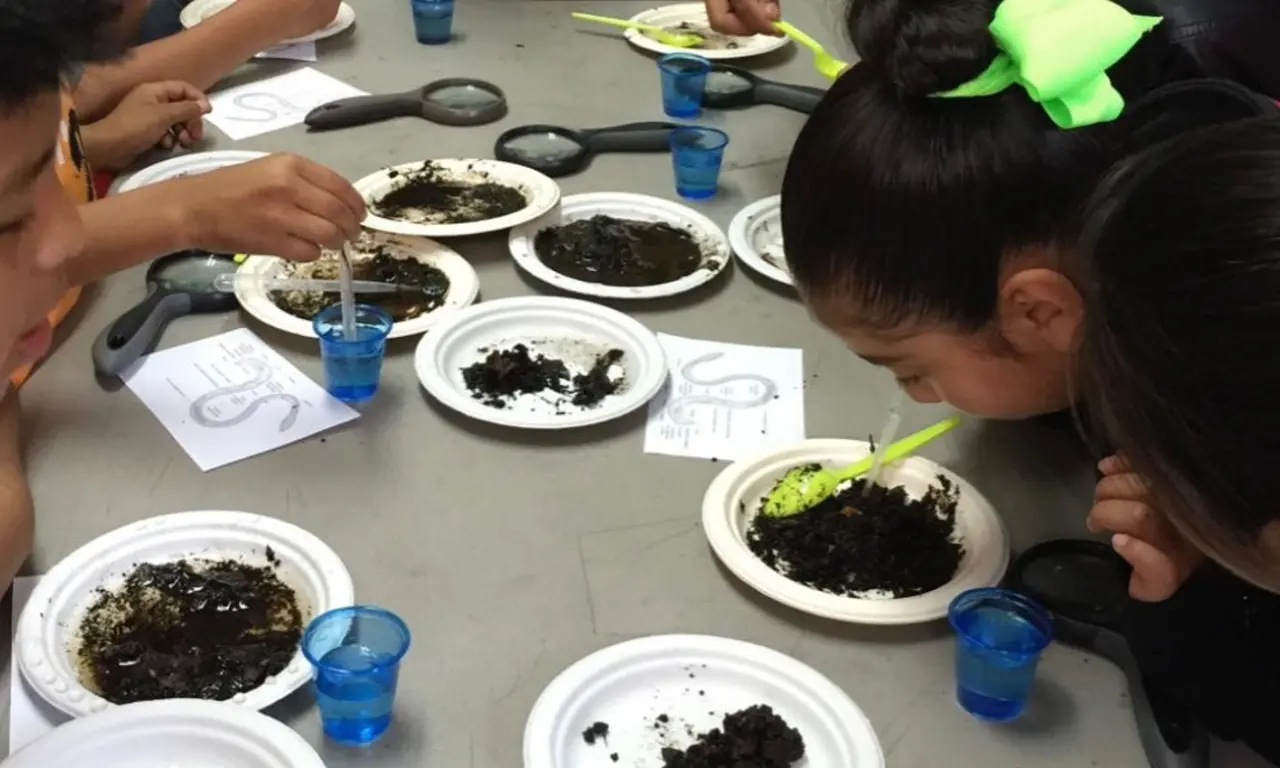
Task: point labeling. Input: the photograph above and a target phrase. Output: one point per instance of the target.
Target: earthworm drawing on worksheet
(259, 374)
(266, 114)
(677, 406)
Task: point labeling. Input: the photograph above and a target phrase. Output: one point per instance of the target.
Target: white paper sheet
(29, 716)
(274, 103)
(291, 51)
(230, 397)
(725, 401)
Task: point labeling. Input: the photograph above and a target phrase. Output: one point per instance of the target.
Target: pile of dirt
(866, 540)
(431, 194)
(620, 252)
(381, 266)
(755, 737)
(506, 373)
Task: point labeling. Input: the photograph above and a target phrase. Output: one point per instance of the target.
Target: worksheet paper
(230, 397)
(274, 103)
(30, 717)
(291, 51)
(725, 401)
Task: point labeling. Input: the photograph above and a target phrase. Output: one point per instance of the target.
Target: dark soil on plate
(852, 543)
(189, 629)
(596, 732)
(756, 737)
(506, 373)
(431, 195)
(383, 268)
(619, 252)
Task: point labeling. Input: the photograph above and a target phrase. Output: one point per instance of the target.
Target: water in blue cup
(432, 20)
(999, 638)
(356, 654)
(684, 79)
(696, 154)
(352, 367)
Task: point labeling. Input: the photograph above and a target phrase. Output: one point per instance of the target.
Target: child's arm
(17, 513)
(282, 205)
(203, 54)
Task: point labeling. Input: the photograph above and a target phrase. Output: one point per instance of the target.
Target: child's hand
(288, 19)
(744, 17)
(153, 114)
(282, 205)
(1160, 557)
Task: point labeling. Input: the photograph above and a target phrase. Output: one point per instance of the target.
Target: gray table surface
(512, 555)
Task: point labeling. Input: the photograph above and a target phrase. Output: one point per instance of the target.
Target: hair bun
(923, 46)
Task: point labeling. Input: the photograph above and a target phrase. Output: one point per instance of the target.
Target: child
(1180, 277)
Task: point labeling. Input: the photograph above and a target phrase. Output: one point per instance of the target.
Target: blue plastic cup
(352, 367)
(356, 654)
(684, 78)
(696, 154)
(999, 638)
(432, 21)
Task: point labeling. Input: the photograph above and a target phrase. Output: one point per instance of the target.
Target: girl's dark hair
(901, 205)
(1179, 359)
(41, 40)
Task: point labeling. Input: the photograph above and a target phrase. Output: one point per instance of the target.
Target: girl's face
(1017, 367)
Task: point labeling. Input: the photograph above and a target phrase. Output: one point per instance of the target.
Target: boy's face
(1018, 367)
(39, 230)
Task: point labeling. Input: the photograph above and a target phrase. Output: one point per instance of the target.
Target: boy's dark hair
(1179, 264)
(40, 40)
(901, 206)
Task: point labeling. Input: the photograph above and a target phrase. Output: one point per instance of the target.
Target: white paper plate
(199, 10)
(734, 497)
(623, 205)
(165, 734)
(756, 236)
(184, 165)
(540, 191)
(464, 285)
(695, 14)
(572, 330)
(47, 627)
(687, 678)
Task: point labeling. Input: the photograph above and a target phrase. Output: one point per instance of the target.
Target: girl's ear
(1039, 310)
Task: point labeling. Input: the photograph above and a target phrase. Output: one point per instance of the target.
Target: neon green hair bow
(1060, 51)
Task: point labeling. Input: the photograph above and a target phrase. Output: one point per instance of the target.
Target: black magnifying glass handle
(363, 110)
(800, 98)
(631, 137)
(128, 338)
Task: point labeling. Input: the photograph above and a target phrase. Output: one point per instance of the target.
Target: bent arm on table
(124, 230)
(17, 513)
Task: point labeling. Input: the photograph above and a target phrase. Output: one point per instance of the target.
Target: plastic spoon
(802, 488)
(673, 39)
(826, 64)
(229, 282)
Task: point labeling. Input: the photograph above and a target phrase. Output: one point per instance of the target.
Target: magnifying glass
(1085, 585)
(452, 101)
(559, 151)
(730, 87)
(178, 284)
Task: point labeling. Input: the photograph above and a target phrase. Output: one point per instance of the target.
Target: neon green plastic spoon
(802, 488)
(673, 39)
(826, 64)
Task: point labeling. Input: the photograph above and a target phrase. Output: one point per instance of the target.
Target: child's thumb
(1155, 575)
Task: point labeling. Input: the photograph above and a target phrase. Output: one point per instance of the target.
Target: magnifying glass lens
(726, 83)
(463, 97)
(194, 274)
(545, 147)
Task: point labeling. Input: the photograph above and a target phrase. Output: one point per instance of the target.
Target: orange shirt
(76, 177)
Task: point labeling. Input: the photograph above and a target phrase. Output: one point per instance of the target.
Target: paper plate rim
(740, 229)
(196, 11)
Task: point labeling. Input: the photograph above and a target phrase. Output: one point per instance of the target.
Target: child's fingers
(1126, 485)
(1113, 465)
(1123, 516)
(1155, 575)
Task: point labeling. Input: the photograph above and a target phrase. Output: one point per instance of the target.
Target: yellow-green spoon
(826, 64)
(801, 488)
(673, 39)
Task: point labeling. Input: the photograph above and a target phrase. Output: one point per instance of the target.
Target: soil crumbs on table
(621, 252)
(755, 737)
(432, 195)
(852, 544)
(190, 629)
(377, 263)
(507, 373)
